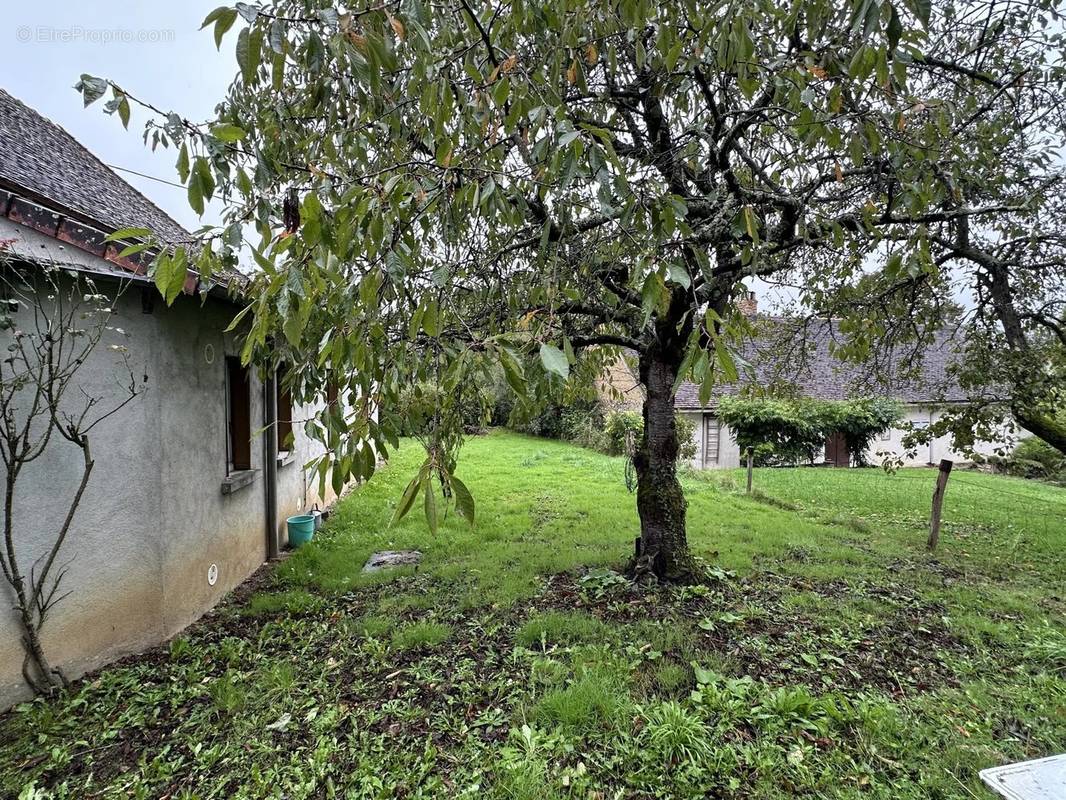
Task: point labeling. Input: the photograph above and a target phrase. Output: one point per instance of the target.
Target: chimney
(748, 305)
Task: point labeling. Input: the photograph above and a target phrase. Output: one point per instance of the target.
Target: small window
(238, 416)
(886, 434)
(284, 409)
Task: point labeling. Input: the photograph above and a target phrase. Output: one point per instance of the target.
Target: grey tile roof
(779, 355)
(39, 158)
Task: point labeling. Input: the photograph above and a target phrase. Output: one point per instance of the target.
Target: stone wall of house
(619, 389)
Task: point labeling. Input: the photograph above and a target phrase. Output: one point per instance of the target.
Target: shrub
(780, 431)
(558, 420)
(861, 420)
(1032, 458)
(686, 437)
(621, 424)
(1035, 449)
(585, 427)
(794, 430)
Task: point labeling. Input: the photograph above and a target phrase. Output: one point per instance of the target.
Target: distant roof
(918, 375)
(42, 161)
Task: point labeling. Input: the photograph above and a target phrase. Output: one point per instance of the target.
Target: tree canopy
(438, 189)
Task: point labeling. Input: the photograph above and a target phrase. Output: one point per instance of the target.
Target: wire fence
(977, 507)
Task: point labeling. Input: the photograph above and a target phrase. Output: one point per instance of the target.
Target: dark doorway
(836, 450)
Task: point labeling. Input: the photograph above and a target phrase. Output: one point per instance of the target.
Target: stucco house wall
(154, 522)
(891, 444)
(154, 518)
(728, 450)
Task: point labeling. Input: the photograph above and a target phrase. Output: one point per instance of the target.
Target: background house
(806, 367)
(178, 509)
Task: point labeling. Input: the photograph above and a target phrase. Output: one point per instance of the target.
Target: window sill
(238, 480)
(284, 459)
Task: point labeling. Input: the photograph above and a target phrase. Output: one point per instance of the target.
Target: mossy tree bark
(1042, 425)
(663, 549)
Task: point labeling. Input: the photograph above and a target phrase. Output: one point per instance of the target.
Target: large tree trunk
(1042, 425)
(663, 547)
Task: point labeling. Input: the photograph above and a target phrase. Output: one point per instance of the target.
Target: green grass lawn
(828, 657)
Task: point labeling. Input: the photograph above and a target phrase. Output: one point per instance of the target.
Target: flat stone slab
(391, 558)
(1042, 779)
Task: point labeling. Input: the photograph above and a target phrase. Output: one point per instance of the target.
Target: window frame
(238, 456)
(283, 409)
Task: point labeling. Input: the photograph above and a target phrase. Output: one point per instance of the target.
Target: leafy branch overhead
(441, 191)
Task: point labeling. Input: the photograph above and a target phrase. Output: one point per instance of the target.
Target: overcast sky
(152, 49)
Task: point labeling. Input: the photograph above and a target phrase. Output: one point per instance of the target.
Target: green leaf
(227, 132)
(124, 111)
(196, 197)
(263, 262)
(431, 319)
(895, 29)
(554, 360)
(407, 499)
(512, 371)
(248, 53)
(293, 329)
(203, 176)
(249, 12)
(213, 16)
(133, 249)
(725, 360)
(183, 163)
(128, 233)
(277, 72)
(171, 271)
(277, 39)
(750, 224)
(654, 295)
(91, 88)
(430, 506)
(568, 137)
(237, 318)
(223, 22)
(921, 9)
(500, 91)
(464, 501)
(679, 275)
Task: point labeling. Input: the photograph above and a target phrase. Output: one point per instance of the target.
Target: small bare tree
(53, 320)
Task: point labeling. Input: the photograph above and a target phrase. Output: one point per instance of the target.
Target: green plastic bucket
(301, 529)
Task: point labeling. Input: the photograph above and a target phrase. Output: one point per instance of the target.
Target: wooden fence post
(751, 463)
(938, 502)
